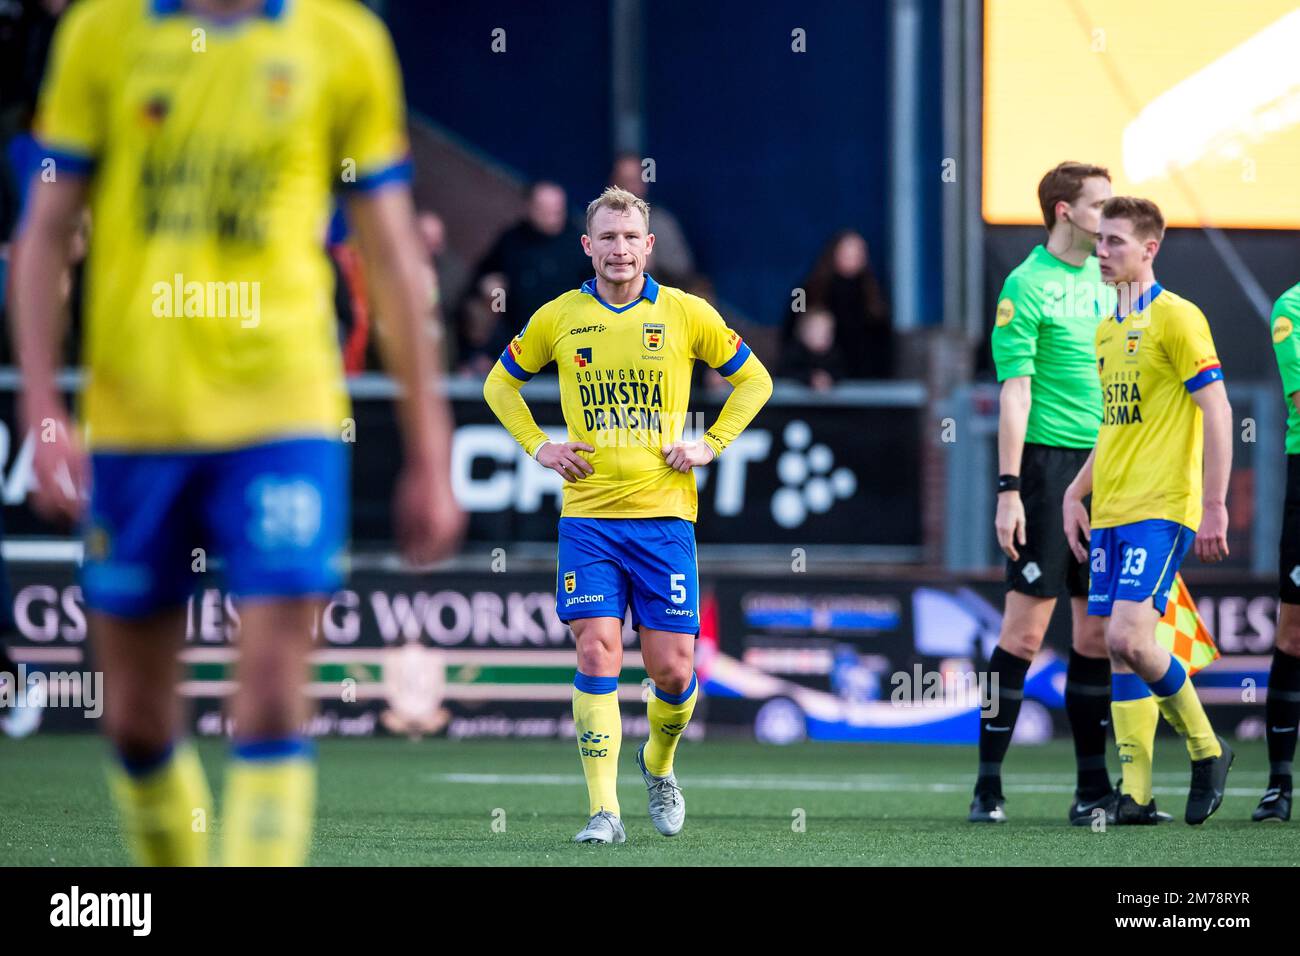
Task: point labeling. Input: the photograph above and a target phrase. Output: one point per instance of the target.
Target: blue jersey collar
(271, 9)
(649, 292)
(1142, 303)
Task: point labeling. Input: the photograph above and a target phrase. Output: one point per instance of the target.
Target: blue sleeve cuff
(733, 364)
(398, 173)
(69, 161)
(1204, 377)
(514, 368)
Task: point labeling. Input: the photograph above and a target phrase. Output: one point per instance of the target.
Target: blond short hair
(618, 199)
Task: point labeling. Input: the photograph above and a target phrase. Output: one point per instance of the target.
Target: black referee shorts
(1046, 564)
(1288, 564)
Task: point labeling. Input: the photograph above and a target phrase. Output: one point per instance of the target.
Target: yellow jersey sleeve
(726, 352)
(1190, 348)
(712, 341)
(370, 131)
(72, 116)
(531, 350)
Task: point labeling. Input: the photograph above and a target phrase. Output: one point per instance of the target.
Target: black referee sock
(996, 728)
(1282, 712)
(1087, 702)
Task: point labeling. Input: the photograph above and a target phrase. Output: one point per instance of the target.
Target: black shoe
(988, 808)
(1129, 813)
(1209, 778)
(1082, 811)
(1274, 805)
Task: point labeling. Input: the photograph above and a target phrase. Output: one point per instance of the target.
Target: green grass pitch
(437, 802)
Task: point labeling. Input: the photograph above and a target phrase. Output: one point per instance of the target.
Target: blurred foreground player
(1166, 420)
(1049, 413)
(214, 408)
(1282, 706)
(625, 347)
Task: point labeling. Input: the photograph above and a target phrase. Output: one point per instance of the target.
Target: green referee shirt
(1286, 346)
(1046, 328)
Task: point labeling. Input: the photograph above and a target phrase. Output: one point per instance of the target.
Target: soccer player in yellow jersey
(207, 138)
(1165, 419)
(625, 347)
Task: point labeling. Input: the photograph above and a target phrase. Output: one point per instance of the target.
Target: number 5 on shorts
(677, 585)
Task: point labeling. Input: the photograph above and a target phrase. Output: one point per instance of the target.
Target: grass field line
(891, 784)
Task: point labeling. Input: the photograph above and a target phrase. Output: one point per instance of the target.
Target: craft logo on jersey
(1132, 342)
(652, 336)
(582, 357)
(570, 581)
(1281, 329)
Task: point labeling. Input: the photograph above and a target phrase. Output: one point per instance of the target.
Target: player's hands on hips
(430, 522)
(1010, 523)
(685, 455)
(1078, 529)
(1212, 538)
(564, 460)
(60, 464)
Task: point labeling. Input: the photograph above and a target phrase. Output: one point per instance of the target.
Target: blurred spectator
(536, 259)
(704, 376)
(843, 282)
(452, 273)
(671, 262)
(482, 331)
(811, 357)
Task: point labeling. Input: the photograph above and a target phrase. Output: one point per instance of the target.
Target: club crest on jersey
(652, 336)
(1132, 342)
(570, 581)
(582, 357)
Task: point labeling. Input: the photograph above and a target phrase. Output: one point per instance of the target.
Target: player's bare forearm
(41, 259)
(1216, 413)
(1081, 487)
(385, 228)
(1013, 422)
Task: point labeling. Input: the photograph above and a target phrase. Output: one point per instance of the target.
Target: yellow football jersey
(213, 149)
(625, 383)
(1149, 451)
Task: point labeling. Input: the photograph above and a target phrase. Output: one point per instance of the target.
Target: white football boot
(603, 827)
(667, 805)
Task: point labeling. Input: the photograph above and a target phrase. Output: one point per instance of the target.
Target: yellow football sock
(1134, 713)
(669, 714)
(270, 803)
(165, 808)
(599, 728)
(1182, 708)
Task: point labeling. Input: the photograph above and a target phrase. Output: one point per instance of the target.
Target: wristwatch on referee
(1008, 483)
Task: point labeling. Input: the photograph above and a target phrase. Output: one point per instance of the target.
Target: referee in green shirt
(1282, 705)
(1044, 349)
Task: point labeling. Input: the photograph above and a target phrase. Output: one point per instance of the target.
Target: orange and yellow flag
(1182, 632)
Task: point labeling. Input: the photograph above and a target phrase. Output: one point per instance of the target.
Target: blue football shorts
(607, 564)
(274, 514)
(1133, 562)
